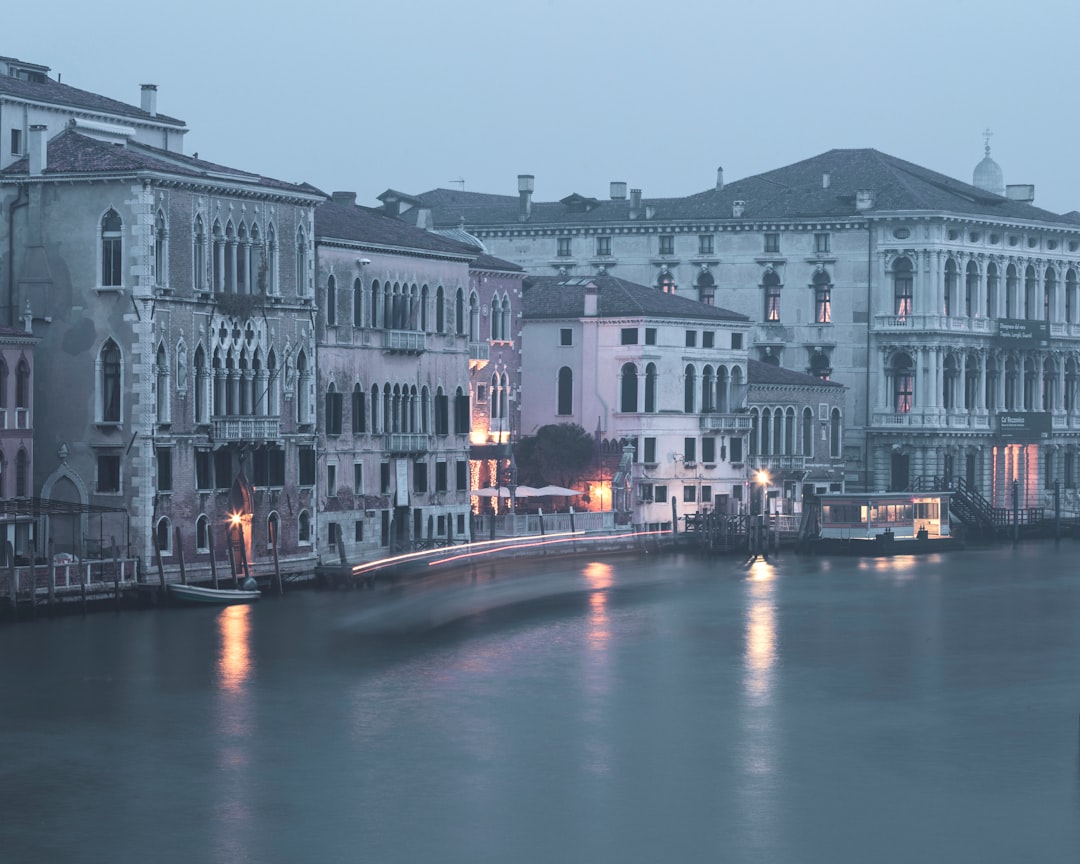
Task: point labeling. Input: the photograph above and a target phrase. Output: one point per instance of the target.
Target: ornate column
(980, 396)
(1059, 392)
(262, 378)
(231, 263)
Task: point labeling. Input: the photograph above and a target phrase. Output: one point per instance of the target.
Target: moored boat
(218, 596)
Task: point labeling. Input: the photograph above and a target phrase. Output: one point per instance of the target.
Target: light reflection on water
(232, 819)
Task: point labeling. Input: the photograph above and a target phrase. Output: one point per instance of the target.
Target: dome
(988, 176)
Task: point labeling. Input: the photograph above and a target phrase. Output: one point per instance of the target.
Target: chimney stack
(38, 150)
(347, 198)
(592, 300)
(864, 199)
(149, 99)
(826, 179)
(525, 191)
(737, 208)
(618, 190)
(635, 203)
(720, 179)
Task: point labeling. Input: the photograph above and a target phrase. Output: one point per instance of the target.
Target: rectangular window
(772, 243)
(660, 491)
(204, 470)
(305, 459)
(222, 468)
(384, 478)
(481, 393)
(690, 450)
(646, 492)
(563, 247)
(772, 302)
(650, 450)
(440, 477)
(629, 335)
(706, 494)
(603, 247)
(707, 338)
(440, 526)
(689, 494)
(420, 476)
(331, 481)
(823, 304)
(705, 244)
(650, 335)
(462, 475)
(164, 469)
(691, 338)
(16, 142)
(358, 478)
(708, 449)
(736, 341)
(331, 534)
(358, 531)
(736, 450)
(461, 524)
(667, 244)
(821, 243)
(108, 472)
(566, 336)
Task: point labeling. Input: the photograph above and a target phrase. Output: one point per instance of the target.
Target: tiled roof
(560, 297)
(761, 373)
(61, 94)
(490, 262)
(792, 192)
(335, 221)
(73, 153)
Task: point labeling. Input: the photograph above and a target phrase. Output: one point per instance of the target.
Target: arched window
(301, 262)
(163, 535)
(303, 397)
(202, 379)
(111, 249)
(164, 391)
(22, 393)
(834, 434)
(202, 533)
(359, 420)
(708, 390)
(706, 286)
(1070, 297)
(722, 390)
(1049, 289)
(507, 334)
(333, 410)
(495, 396)
(424, 301)
(822, 297)
(373, 320)
(1031, 291)
(198, 254)
(303, 528)
(357, 303)
(109, 383)
(992, 288)
(1012, 288)
(628, 401)
(755, 432)
(770, 283)
(474, 318)
(273, 385)
(459, 312)
(903, 379)
(689, 388)
(442, 412)
(903, 287)
(650, 388)
(161, 248)
(666, 283)
(3, 393)
(440, 310)
(789, 431)
(425, 410)
(952, 279)
(272, 286)
(243, 264)
(22, 473)
(230, 257)
(565, 400)
(462, 417)
(218, 262)
(504, 396)
(495, 320)
(971, 289)
(331, 302)
(273, 530)
(807, 432)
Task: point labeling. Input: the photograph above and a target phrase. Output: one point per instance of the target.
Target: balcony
(479, 351)
(404, 341)
(777, 463)
(727, 424)
(407, 442)
(934, 323)
(246, 428)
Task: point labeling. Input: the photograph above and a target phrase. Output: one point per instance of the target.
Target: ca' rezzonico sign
(1024, 426)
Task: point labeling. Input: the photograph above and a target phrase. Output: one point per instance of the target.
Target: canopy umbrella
(556, 490)
(504, 492)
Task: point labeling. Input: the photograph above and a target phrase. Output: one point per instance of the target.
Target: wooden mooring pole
(160, 566)
(277, 567)
(117, 575)
(213, 556)
(180, 553)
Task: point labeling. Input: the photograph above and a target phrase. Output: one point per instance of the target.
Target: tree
(559, 454)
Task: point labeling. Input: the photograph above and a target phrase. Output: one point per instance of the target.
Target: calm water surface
(635, 710)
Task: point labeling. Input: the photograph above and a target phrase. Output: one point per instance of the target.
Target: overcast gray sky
(414, 95)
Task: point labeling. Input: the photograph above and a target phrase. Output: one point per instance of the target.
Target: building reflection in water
(234, 824)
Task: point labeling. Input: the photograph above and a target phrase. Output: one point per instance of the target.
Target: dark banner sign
(1025, 426)
(1020, 333)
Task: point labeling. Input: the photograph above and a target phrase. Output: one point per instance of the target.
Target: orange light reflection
(234, 663)
(599, 578)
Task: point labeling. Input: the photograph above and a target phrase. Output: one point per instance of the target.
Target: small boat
(218, 596)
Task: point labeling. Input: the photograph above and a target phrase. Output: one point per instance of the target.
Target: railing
(246, 428)
(408, 442)
(729, 423)
(526, 524)
(479, 350)
(777, 462)
(409, 341)
(911, 323)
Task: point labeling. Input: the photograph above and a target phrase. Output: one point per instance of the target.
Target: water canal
(634, 710)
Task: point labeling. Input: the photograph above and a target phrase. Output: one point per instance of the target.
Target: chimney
(525, 191)
(1022, 192)
(149, 99)
(423, 218)
(737, 208)
(864, 199)
(826, 179)
(38, 150)
(650, 211)
(720, 179)
(346, 198)
(592, 300)
(635, 203)
(618, 190)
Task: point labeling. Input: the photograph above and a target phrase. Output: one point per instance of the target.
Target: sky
(366, 96)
